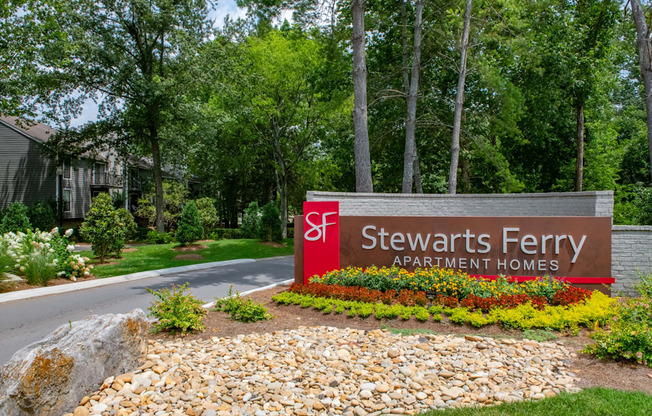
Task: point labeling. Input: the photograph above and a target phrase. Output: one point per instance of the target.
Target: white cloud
(226, 8)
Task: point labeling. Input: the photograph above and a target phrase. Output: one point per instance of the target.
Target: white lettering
(397, 261)
(558, 238)
(453, 238)
(528, 264)
(397, 238)
(528, 241)
(416, 262)
(509, 240)
(442, 245)
(576, 249)
(468, 237)
(461, 263)
(407, 259)
(475, 264)
(450, 263)
(486, 262)
(542, 265)
(427, 261)
(515, 264)
(486, 244)
(554, 265)
(418, 239)
(545, 238)
(502, 264)
(369, 237)
(319, 229)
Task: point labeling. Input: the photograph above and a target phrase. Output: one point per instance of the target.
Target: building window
(99, 173)
(67, 200)
(67, 171)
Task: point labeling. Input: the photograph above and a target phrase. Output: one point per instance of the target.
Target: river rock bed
(328, 371)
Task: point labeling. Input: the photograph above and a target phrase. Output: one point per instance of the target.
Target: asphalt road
(25, 321)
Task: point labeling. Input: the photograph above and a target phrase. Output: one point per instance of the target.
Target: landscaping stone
(324, 370)
(51, 376)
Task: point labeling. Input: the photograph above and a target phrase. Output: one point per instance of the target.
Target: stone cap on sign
(554, 204)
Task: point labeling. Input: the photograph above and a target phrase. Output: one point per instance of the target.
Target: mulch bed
(13, 287)
(190, 247)
(189, 257)
(593, 372)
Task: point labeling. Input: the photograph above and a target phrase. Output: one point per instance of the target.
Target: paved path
(26, 321)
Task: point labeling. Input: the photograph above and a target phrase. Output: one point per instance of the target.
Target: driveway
(27, 321)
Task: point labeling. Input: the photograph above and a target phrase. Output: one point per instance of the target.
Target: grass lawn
(589, 402)
(161, 256)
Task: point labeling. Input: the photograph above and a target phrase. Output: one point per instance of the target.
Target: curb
(73, 287)
(258, 289)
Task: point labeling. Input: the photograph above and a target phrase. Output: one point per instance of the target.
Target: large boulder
(51, 376)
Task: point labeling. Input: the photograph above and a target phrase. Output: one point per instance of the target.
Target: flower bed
(40, 256)
(445, 282)
(591, 312)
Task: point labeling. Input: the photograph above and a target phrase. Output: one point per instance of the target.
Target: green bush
(141, 234)
(226, 234)
(251, 221)
(39, 269)
(190, 225)
(208, 214)
(629, 336)
(540, 335)
(175, 311)
(101, 227)
(174, 199)
(270, 224)
(41, 216)
(127, 227)
(644, 287)
(154, 237)
(15, 219)
(241, 310)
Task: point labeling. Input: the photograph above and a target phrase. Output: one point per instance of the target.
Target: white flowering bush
(41, 256)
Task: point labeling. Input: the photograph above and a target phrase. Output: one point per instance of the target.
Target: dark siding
(80, 185)
(25, 175)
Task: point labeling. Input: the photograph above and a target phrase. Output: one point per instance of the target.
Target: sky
(224, 8)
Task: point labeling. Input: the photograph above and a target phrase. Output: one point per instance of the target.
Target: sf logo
(318, 230)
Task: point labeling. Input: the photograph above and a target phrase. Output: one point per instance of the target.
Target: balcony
(105, 180)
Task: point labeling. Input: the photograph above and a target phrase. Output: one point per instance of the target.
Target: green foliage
(101, 227)
(15, 219)
(541, 335)
(127, 227)
(208, 214)
(154, 237)
(226, 234)
(174, 196)
(39, 269)
(251, 221)
(190, 225)
(593, 401)
(240, 309)
(629, 336)
(175, 311)
(270, 223)
(597, 309)
(644, 287)
(41, 216)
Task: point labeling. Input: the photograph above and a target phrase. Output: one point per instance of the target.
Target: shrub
(154, 237)
(175, 311)
(644, 287)
(101, 227)
(190, 226)
(208, 214)
(15, 219)
(242, 310)
(270, 224)
(226, 234)
(251, 221)
(127, 228)
(141, 234)
(541, 335)
(629, 336)
(41, 216)
(39, 268)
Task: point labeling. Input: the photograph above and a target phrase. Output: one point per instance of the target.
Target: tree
(15, 219)
(270, 224)
(363, 181)
(459, 100)
(410, 158)
(190, 226)
(132, 57)
(644, 45)
(251, 221)
(101, 226)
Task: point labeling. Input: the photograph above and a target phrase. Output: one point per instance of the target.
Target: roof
(38, 132)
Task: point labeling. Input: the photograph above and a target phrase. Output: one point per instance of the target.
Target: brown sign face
(514, 246)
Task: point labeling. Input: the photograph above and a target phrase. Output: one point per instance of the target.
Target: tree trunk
(459, 102)
(579, 162)
(645, 62)
(283, 191)
(410, 146)
(363, 181)
(158, 180)
(466, 175)
(417, 173)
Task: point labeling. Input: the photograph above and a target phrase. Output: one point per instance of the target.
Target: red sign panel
(321, 238)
